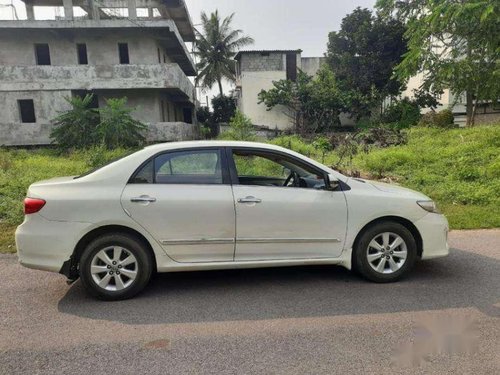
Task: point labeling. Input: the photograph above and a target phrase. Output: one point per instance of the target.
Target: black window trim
(226, 180)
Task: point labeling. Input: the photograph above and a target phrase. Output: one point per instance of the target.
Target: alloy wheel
(114, 268)
(387, 252)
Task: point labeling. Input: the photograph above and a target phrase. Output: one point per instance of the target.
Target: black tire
(143, 267)
(360, 252)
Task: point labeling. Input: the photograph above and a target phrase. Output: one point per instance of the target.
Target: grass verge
(458, 168)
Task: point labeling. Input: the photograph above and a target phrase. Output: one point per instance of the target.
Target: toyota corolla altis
(218, 205)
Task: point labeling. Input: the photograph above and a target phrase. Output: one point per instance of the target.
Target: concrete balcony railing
(19, 134)
(96, 77)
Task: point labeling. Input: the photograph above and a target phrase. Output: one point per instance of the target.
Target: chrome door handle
(249, 200)
(143, 198)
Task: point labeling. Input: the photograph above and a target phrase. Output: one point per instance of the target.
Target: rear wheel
(385, 252)
(115, 267)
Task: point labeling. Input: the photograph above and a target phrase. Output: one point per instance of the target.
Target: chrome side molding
(226, 241)
(202, 241)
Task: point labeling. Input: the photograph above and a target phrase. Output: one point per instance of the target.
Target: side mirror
(333, 182)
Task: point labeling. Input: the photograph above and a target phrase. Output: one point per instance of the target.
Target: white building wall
(252, 84)
(446, 100)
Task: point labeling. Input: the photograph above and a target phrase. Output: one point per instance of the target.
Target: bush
(76, 128)
(401, 114)
(442, 119)
(117, 127)
(240, 129)
(84, 127)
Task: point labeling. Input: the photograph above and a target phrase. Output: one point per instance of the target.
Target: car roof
(201, 144)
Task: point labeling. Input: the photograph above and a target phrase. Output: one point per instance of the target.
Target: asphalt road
(443, 319)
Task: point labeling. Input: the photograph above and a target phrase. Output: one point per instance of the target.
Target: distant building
(486, 113)
(131, 48)
(256, 71)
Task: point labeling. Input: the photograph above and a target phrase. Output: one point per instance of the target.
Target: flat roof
(177, 10)
(264, 51)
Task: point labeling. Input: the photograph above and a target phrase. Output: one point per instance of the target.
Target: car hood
(395, 189)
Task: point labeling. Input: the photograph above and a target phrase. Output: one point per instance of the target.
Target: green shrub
(76, 127)
(240, 129)
(117, 127)
(442, 119)
(401, 114)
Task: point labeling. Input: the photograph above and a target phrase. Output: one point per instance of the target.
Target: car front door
(283, 210)
(184, 200)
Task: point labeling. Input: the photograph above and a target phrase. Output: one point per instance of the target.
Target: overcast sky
(274, 24)
(283, 24)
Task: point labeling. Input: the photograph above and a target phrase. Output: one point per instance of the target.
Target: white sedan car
(219, 205)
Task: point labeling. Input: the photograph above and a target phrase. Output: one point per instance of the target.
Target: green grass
(20, 168)
(458, 168)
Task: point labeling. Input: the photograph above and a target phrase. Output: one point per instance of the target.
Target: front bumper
(433, 229)
(44, 244)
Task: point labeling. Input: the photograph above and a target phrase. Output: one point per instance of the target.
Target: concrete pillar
(30, 13)
(68, 9)
(132, 10)
(93, 9)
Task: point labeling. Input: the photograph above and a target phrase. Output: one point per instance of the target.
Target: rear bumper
(44, 244)
(434, 231)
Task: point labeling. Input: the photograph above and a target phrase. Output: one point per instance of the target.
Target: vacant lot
(459, 168)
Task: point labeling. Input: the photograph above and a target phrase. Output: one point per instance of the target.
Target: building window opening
(42, 54)
(27, 110)
(123, 52)
(291, 67)
(82, 54)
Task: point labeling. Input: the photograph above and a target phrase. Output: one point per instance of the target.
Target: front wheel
(115, 267)
(385, 252)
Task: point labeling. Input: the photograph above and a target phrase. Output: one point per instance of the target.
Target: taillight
(32, 205)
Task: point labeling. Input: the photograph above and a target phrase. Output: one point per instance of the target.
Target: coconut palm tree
(216, 45)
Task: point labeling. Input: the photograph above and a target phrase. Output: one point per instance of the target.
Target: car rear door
(284, 222)
(183, 198)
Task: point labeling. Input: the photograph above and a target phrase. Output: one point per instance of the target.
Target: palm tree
(216, 46)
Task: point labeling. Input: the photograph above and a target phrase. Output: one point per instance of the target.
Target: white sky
(274, 24)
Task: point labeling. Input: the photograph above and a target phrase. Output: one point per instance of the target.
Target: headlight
(429, 206)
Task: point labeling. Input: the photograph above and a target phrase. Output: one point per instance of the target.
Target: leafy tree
(216, 45)
(456, 44)
(224, 108)
(203, 114)
(313, 104)
(117, 127)
(75, 128)
(362, 56)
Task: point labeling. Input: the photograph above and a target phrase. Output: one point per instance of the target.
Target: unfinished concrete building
(257, 70)
(130, 48)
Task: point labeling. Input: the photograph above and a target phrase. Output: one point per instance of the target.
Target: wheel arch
(70, 268)
(400, 220)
